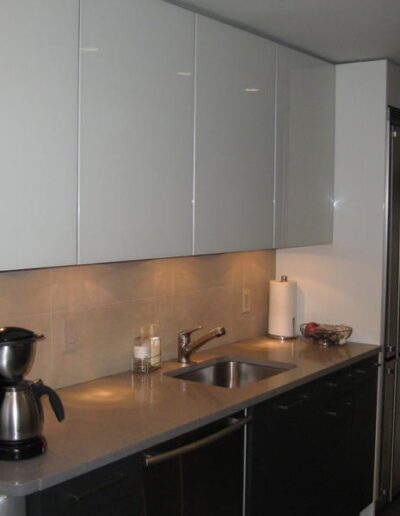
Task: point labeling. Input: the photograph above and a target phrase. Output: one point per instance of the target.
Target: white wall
(342, 282)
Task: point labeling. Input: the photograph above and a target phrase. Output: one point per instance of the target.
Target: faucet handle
(184, 336)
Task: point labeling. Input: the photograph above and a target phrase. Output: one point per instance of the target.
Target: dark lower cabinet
(363, 442)
(311, 451)
(200, 474)
(112, 490)
(279, 459)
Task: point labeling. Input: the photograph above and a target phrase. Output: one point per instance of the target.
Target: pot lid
(10, 334)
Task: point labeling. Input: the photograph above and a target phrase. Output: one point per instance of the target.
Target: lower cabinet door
(162, 494)
(199, 474)
(300, 452)
(281, 468)
(332, 451)
(213, 479)
(363, 437)
(311, 451)
(112, 490)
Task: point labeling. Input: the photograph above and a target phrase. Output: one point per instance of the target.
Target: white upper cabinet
(136, 130)
(235, 123)
(38, 132)
(305, 150)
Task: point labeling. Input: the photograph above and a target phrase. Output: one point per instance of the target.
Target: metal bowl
(327, 334)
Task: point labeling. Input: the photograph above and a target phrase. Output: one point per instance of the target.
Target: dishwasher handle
(234, 426)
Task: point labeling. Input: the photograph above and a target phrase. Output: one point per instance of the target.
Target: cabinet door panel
(112, 490)
(332, 449)
(311, 451)
(213, 479)
(206, 480)
(363, 443)
(282, 464)
(304, 149)
(136, 114)
(38, 132)
(235, 101)
(163, 489)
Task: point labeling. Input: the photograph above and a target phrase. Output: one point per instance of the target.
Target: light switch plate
(246, 300)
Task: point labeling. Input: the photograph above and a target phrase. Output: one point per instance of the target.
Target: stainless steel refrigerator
(390, 456)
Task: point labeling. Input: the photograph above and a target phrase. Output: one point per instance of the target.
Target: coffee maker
(21, 412)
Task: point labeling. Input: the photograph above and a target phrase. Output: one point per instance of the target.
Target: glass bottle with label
(147, 350)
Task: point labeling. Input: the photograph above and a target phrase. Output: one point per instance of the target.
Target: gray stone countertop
(113, 417)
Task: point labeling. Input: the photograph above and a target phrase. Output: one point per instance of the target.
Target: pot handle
(55, 401)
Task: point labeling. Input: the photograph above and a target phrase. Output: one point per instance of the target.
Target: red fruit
(309, 327)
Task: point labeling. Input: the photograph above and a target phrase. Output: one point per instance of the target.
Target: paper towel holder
(282, 339)
(284, 279)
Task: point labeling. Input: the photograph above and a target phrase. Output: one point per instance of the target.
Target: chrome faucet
(186, 346)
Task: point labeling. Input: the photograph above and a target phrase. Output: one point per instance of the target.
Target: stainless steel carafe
(21, 413)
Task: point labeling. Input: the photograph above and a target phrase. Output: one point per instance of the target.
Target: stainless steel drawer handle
(78, 497)
(337, 414)
(234, 426)
(360, 371)
(304, 398)
(334, 385)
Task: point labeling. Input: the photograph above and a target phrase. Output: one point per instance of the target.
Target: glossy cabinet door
(38, 132)
(234, 157)
(136, 130)
(305, 141)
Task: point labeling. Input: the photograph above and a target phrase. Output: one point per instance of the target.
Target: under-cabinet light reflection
(184, 74)
(251, 90)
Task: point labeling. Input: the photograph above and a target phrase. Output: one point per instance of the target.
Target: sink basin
(231, 372)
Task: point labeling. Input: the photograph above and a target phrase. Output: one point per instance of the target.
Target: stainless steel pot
(21, 413)
(17, 351)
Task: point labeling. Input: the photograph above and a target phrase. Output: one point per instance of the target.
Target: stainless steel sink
(230, 372)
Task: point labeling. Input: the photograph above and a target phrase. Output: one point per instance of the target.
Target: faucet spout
(186, 346)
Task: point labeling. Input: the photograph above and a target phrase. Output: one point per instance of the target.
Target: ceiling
(337, 30)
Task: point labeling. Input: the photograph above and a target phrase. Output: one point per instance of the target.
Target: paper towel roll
(282, 308)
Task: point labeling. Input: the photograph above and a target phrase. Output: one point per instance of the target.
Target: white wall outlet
(246, 300)
(70, 337)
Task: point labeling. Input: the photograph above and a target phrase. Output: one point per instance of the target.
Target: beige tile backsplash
(90, 314)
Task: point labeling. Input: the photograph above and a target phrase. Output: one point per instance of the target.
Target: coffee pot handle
(56, 404)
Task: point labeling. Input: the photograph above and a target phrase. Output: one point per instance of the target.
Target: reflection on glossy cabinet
(136, 128)
(38, 132)
(234, 161)
(304, 149)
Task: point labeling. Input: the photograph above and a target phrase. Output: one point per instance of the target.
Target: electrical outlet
(70, 337)
(246, 298)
